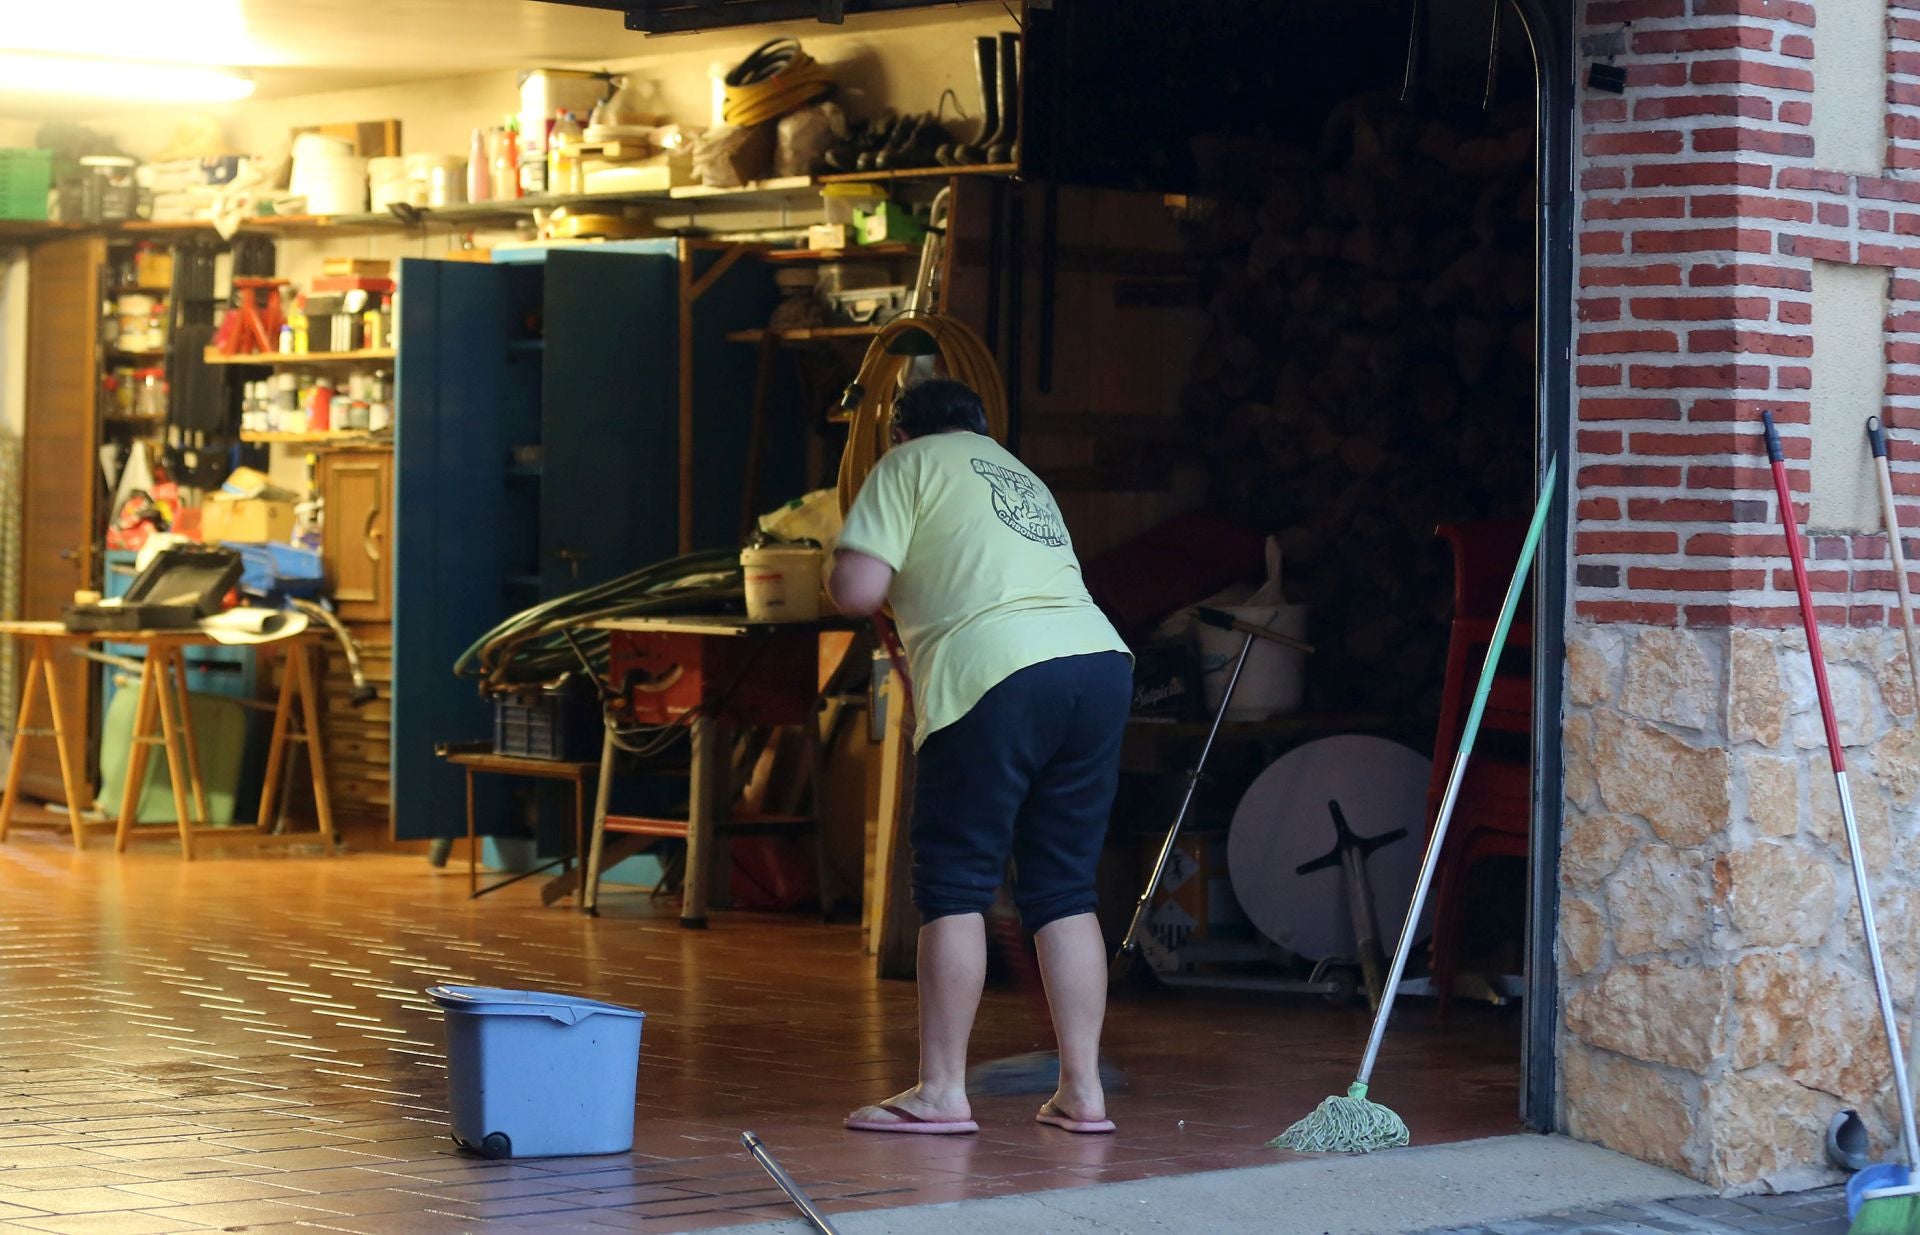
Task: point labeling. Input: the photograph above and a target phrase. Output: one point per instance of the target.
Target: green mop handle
(1521, 570)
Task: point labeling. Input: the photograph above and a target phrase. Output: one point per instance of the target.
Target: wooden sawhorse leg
(157, 694)
(296, 685)
(40, 671)
(184, 702)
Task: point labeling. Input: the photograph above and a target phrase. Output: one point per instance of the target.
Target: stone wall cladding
(1703, 206)
(1716, 1006)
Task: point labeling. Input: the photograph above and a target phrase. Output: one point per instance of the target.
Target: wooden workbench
(163, 693)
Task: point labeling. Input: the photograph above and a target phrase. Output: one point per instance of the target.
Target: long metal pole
(793, 1190)
(1132, 939)
(1437, 842)
(1778, 459)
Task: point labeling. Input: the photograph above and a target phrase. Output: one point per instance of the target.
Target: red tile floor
(240, 1042)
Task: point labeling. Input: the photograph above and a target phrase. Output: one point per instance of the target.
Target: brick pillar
(1715, 1004)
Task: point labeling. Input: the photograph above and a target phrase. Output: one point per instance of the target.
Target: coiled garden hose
(531, 648)
(775, 79)
(869, 405)
(869, 400)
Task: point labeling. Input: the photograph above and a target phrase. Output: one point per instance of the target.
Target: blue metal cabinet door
(464, 402)
(609, 418)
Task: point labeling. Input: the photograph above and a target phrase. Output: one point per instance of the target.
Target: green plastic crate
(25, 176)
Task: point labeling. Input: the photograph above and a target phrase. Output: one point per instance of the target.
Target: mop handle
(1186, 800)
(1778, 458)
(1437, 841)
(1877, 437)
(1902, 1089)
(795, 1193)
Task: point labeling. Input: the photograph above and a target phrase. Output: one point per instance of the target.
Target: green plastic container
(25, 177)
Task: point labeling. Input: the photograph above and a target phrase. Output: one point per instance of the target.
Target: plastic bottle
(563, 155)
(479, 176)
(506, 165)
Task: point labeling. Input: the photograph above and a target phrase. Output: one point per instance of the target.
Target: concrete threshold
(1387, 1193)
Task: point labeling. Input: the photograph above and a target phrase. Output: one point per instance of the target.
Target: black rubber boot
(1006, 144)
(894, 153)
(985, 57)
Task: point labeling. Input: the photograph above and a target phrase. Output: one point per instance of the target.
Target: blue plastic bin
(538, 1075)
(276, 570)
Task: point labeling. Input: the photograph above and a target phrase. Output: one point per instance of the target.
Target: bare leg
(952, 969)
(1073, 964)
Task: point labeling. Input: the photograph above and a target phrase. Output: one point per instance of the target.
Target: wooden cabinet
(356, 543)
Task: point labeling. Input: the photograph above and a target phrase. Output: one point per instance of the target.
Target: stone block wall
(1716, 1006)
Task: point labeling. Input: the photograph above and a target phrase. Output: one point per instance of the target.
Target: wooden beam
(718, 270)
(894, 924)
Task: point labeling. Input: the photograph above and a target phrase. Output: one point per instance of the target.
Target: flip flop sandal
(1087, 1127)
(907, 1121)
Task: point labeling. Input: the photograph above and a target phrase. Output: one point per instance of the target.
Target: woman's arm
(858, 583)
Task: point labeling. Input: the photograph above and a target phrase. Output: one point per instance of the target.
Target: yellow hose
(800, 81)
(869, 425)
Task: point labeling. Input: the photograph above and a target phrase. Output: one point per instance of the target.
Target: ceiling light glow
(120, 80)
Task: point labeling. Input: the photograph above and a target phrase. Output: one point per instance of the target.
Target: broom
(1351, 1123)
(1889, 1196)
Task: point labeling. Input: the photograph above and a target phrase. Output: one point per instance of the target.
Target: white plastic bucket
(332, 184)
(387, 183)
(538, 1075)
(1274, 680)
(782, 583)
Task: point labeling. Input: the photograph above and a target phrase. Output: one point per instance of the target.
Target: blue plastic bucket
(532, 1074)
(1879, 1175)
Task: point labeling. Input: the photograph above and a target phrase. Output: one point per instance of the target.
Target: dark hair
(939, 405)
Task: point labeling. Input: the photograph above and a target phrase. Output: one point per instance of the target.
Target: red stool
(1493, 817)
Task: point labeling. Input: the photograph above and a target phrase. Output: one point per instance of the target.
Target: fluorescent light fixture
(126, 81)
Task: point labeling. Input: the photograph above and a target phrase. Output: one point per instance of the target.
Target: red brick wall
(1703, 205)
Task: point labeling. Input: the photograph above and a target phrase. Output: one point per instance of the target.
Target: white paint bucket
(782, 583)
(1274, 680)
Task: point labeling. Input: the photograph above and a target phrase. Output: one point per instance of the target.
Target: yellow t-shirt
(985, 579)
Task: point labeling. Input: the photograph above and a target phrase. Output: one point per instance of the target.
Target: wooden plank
(212, 356)
(60, 519)
(894, 924)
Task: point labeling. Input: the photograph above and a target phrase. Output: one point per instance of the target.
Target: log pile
(1369, 372)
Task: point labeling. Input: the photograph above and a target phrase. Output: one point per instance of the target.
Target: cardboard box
(247, 520)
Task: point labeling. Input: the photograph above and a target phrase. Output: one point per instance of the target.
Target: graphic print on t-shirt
(1018, 501)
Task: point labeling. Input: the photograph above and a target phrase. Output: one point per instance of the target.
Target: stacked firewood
(1369, 372)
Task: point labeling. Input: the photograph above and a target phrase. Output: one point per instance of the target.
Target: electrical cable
(531, 648)
(775, 79)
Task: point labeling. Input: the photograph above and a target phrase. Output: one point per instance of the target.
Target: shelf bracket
(715, 272)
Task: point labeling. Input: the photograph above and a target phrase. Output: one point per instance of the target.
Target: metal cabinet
(537, 453)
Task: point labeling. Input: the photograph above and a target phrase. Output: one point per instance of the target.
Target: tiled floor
(241, 1043)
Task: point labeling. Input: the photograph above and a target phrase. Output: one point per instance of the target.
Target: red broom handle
(1778, 458)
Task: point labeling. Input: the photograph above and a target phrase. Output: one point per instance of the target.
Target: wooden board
(61, 482)
(893, 924)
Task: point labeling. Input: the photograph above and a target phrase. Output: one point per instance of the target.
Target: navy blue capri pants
(1029, 772)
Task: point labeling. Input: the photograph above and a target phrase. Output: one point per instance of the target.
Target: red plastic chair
(1493, 817)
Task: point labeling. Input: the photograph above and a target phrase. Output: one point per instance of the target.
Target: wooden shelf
(299, 358)
(801, 334)
(336, 438)
(474, 215)
(874, 251)
(160, 354)
(920, 173)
